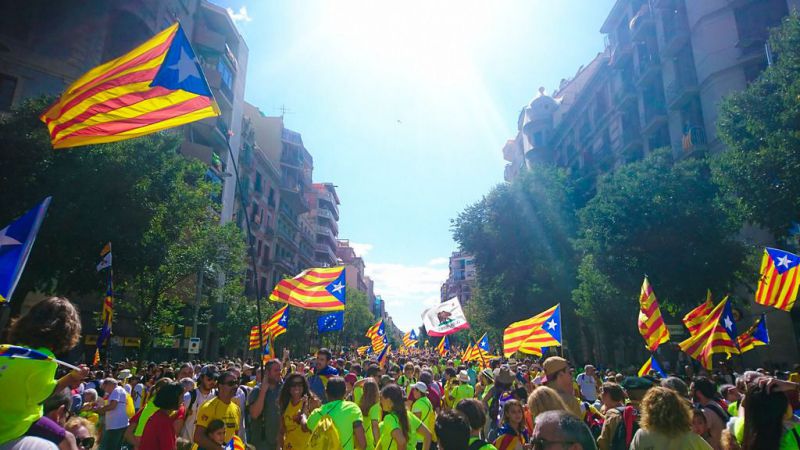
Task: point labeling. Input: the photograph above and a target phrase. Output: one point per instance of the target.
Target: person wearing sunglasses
(295, 405)
(220, 407)
(84, 432)
(561, 430)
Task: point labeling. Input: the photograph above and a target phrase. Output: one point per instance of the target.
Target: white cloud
(361, 249)
(407, 289)
(438, 261)
(241, 16)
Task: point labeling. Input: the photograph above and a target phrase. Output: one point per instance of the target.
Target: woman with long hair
(666, 422)
(512, 434)
(159, 430)
(767, 420)
(371, 410)
(544, 399)
(400, 428)
(293, 402)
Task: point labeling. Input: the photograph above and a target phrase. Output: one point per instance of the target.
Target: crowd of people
(417, 400)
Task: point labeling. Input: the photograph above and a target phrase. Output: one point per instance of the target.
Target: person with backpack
(195, 398)
(400, 428)
(338, 423)
(613, 398)
(666, 422)
(705, 396)
(473, 410)
(636, 388)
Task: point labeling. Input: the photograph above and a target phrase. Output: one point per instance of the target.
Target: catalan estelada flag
(362, 350)
(383, 357)
(235, 444)
(694, 318)
(157, 85)
(755, 336)
(443, 346)
(652, 365)
(541, 330)
(410, 339)
(16, 242)
(651, 324)
(321, 289)
(717, 334)
(479, 352)
(275, 326)
(779, 281)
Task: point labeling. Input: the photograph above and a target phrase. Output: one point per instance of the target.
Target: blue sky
(405, 106)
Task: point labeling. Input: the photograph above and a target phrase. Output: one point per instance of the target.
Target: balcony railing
(681, 89)
(649, 65)
(693, 138)
(654, 115)
(322, 212)
(325, 231)
(676, 33)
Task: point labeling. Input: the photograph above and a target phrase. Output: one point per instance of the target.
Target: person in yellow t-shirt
(220, 407)
(294, 404)
(371, 410)
(422, 406)
(461, 390)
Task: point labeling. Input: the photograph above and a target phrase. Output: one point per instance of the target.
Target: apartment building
(324, 217)
(658, 83)
(354, 266)
(45, 46)
(461, 278)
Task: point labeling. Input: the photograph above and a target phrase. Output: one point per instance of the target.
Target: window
(8, 85)
(258, 183)
(226, 74)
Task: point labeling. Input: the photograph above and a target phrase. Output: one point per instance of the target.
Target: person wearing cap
(116, 416)
(136, 390)
(193, 399)
(485, 383)
(557, 376)
(462, 389)
(422, 407)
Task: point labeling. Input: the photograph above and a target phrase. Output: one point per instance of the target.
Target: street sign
(194, 346)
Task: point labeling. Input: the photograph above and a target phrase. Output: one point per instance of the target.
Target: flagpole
(250, 244)
(561, 330)
(110, 288)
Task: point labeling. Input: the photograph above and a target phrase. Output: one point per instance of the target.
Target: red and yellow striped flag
(716, 335)
(321, 289)
(694, 318)
(651, 324)
(779, 281)
(157, 85)
(274, 327)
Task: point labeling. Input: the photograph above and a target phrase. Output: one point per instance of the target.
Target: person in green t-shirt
(462, 389)
(422, 406)
(407, 378)
(400, 428)
(346, 415)
(473, 410)
(51, 326)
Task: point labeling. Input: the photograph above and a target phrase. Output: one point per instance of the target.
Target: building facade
(324, 217)
(354, 266)
(461, 278)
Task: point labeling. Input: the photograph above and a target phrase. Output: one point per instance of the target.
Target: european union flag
(330, 322)
(16, 241)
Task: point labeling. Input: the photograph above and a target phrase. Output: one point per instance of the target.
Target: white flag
(444, 318)
(105, 262)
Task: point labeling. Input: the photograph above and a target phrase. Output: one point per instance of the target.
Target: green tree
(656, 217)
(155, 205)
(760, 172)
(520, 235)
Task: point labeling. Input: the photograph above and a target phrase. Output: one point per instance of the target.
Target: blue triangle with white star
(338, 288)
(553, 324)
(783, 260)
(181, 69)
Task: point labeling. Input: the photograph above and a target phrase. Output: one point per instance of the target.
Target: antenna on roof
(284, 110)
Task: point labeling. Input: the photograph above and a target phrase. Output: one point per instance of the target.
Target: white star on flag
(552, 324)
(338, 287)
(783, 261)
(186, 67)
(728, 323)
(5, 239)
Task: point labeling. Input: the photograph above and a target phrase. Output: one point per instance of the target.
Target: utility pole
(197, 298)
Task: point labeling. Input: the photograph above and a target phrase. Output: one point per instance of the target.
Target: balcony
(286, 262)
(205, 38)
(643, 23)
(630, 138)
(325, 196)
(694, 139)
(325, 254)
(215, 82)
(287, 237)
(620, 53)
(681, 90)
(326, 232)
(294, 194)
(676, 34)
(654, 116)
(649, 67)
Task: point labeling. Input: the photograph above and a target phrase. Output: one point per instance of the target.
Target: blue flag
(330, 322)
(16, 241)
